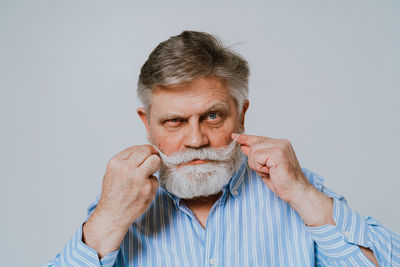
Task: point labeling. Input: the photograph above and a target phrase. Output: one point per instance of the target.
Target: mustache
(225, 153)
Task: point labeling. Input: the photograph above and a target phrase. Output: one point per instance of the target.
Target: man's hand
(128, 189)
(275, 161)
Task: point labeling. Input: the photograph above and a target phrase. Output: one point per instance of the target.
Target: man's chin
(187, 184)
(196, 195)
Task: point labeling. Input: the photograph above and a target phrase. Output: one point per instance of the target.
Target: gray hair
(190, 55)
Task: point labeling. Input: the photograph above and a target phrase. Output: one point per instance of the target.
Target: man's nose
(195, 137)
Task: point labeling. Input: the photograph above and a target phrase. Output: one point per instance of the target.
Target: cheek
(222, 136)
(168, 142)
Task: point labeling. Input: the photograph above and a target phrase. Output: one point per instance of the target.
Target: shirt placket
(214, 235)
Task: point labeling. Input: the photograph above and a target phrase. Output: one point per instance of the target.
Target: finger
(269, 163)
(154, 181)
(124, 154)
(154, 184)
(263, 175)
(245, 139)
(127, 152)
(258, 164)
(140, 154)
(261, 160)
(245, 150)
(264, 144)
(264, 170)
(151, 165)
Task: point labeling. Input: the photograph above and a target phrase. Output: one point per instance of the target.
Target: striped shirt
(247, 226)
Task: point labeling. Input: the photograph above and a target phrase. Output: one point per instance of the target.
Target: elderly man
(225, 198)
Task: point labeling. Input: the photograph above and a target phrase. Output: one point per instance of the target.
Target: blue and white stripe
(248, 226)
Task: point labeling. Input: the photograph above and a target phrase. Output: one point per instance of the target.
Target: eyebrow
(217, 106)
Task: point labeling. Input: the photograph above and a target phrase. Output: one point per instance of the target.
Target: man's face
(195, 114)
(191, 124)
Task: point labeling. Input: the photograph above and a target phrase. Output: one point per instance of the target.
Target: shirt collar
(237, 178)
(233, 184)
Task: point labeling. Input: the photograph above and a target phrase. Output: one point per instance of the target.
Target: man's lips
(197, 161)
(194, 162)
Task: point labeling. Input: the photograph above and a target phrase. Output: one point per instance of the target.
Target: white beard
(200, 180)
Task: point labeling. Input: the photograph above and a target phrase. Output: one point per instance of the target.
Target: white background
(324, 74)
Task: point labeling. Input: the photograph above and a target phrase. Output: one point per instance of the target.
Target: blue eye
(212, 116)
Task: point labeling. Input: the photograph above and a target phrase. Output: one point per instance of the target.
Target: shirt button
(212, 261)
(235, 192)
(347, 234)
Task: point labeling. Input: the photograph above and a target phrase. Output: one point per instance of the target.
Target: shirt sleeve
(339, 245)
(77, 253)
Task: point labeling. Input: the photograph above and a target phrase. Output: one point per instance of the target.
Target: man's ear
(244, 109)
(145, 118)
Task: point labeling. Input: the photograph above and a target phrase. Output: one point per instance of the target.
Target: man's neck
(201, 207)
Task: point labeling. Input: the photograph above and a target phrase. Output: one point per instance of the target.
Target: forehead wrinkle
(214, 106)
(195, 97)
